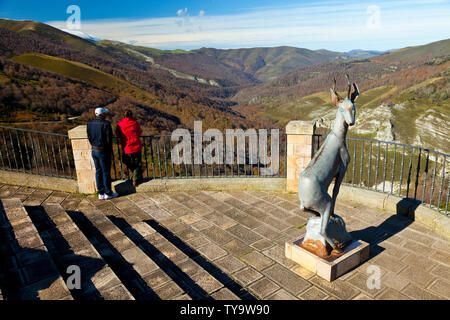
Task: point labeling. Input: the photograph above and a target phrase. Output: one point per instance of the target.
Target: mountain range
(47, 73)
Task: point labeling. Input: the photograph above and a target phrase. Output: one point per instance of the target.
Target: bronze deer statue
(330, 162)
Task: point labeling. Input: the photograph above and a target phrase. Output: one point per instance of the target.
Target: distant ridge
(358, 53)
(81, 34)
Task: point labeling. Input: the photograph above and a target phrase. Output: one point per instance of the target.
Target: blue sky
(333, 25)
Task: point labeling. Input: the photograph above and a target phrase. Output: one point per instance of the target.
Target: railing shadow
(169, 267)
(213, 270)
(64, 256)
(40, 272)
(121, 267)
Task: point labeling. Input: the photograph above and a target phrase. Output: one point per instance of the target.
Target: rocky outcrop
(432, 130)
(378, 120)
(173, 72)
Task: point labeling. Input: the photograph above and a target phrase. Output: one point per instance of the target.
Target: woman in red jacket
(129, 132)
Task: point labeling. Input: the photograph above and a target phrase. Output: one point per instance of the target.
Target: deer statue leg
(324, 208)
(336, 231)
(337, 185)
(314, 197)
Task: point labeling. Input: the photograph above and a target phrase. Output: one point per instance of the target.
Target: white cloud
(313, 25)
(201, 13)
(182, 12)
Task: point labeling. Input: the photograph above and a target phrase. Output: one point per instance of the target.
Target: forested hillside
(38, 45)
(47, 74)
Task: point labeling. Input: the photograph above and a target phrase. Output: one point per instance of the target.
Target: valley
(49, 75)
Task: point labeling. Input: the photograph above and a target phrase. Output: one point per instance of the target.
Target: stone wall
(299, 150)
(84, 164)
(38, 181)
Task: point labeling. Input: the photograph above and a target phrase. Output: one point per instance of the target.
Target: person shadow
(125, 187)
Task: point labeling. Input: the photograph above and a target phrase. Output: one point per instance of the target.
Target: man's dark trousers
(102, 161)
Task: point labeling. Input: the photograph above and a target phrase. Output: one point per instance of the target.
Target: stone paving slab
(313, 293)
(168, 291)
(230, 264)
(263, 287)
(224, 294)
(287, 279)
(237, 247)
(247, 276)
(281, 295)
(257, 260)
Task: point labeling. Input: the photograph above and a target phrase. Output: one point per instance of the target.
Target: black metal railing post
(29, 156)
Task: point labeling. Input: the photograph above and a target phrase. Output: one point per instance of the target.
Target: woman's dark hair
(128, 114)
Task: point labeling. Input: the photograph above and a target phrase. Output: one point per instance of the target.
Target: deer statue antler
(349, 86)
(352, 95)
(334, 90)
(355, 93)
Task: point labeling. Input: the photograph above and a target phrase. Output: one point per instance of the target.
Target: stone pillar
(299, 150)
(84, 164)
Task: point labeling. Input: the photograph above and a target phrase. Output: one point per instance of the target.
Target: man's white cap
(100, 111)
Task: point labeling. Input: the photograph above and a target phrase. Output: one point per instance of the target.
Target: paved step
(68, 246)
(188, 267)
(128, 261)
(117, 260)
(206, 274)
(173, 263)
(191, 269)
(161, 270)
(30, 270)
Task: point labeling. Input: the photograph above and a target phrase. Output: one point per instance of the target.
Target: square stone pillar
(84, 164)
(299, 150)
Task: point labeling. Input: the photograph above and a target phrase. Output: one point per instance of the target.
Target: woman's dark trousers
(134, 162)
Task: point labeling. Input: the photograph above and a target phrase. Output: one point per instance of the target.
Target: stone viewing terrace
(202, 245)
(216, 232)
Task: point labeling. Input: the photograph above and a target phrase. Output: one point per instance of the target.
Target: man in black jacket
(100, 136)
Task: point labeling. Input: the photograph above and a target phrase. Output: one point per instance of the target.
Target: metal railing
(36, 152)
(411, 172)
(157, 160)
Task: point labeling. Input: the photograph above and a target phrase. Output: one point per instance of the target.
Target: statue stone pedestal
(333, 266)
